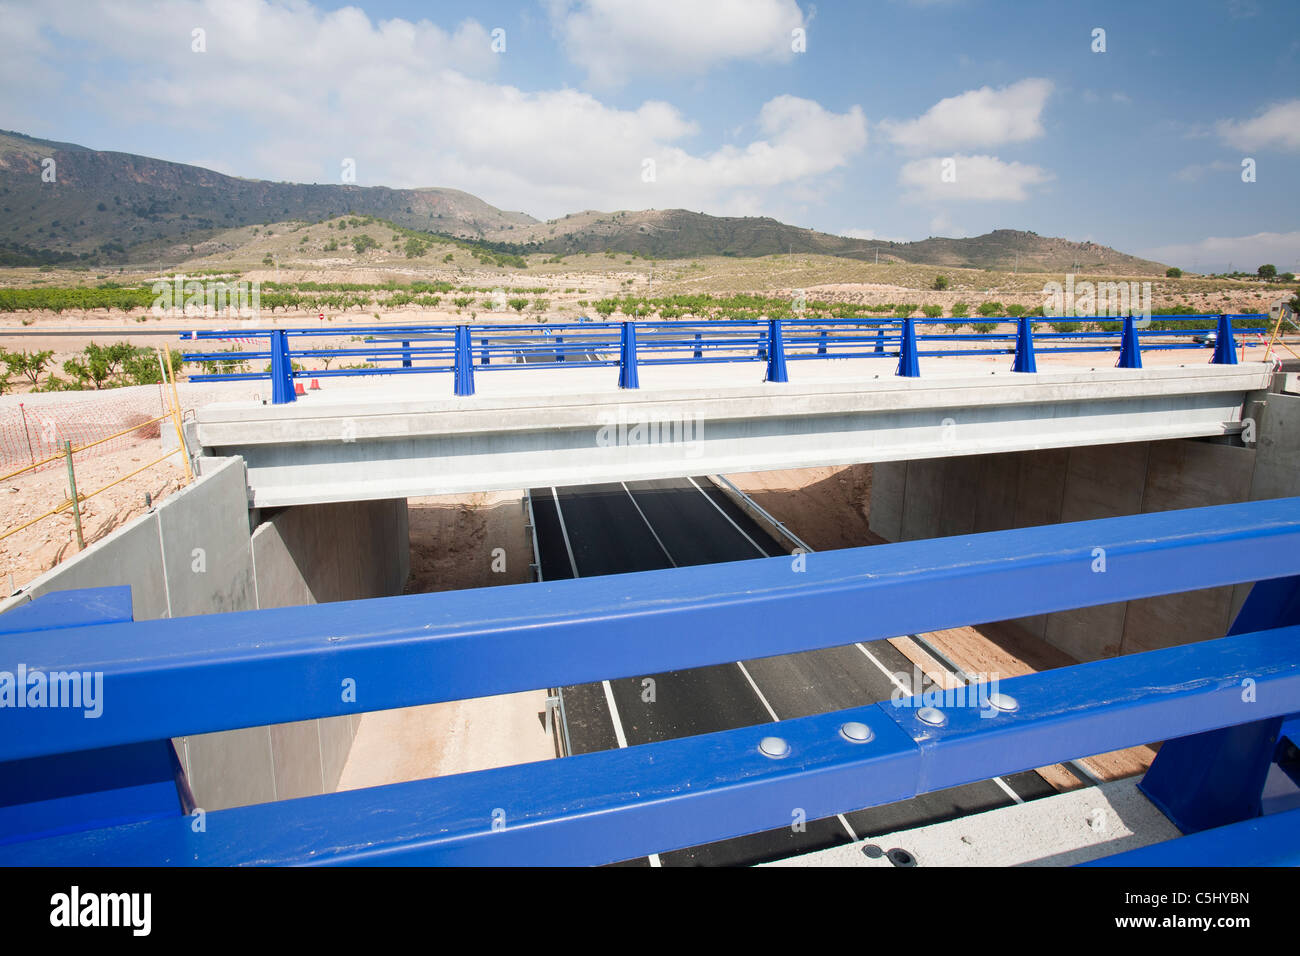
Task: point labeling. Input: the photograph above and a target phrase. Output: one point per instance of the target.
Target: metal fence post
(72, 485)
(1130, 355)
(776, 353)
(1225, 348)
(463, 371)
(907, 363)
(281, 370)
(627, 372)
(1024, 361)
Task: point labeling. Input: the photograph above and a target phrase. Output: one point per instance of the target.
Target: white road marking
(648, 525)
(763, 700)
(729, 520)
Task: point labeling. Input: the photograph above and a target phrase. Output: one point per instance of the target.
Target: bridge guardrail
(466, 350)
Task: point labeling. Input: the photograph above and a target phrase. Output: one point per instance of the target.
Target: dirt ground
(27, 554)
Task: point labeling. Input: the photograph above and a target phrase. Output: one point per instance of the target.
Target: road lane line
(653, 533)
(729, 519)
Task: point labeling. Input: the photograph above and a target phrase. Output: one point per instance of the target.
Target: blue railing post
(1025, 361)
(762, 346)
(776, 353)
(907, 363)
(880, 337)
(1217, 778)
(463, 372)
(281, 370)
(1225, 347)
(484, 357)
(627, 376)
(559, 348)
(406, 355)
(1130, 356)
(699, 353)
(821, 342)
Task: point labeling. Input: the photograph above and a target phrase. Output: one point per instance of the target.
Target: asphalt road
(649, 525)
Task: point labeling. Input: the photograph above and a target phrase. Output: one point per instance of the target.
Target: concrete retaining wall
(194, 554)
(941, 497)
(312, 554)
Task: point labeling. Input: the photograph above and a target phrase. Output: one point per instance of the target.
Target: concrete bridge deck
(408, 435)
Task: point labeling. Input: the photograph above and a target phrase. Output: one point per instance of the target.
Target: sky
(1165, 129)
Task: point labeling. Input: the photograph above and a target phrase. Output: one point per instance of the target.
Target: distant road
(650, 525)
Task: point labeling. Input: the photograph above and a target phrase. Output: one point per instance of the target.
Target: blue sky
(897, 119)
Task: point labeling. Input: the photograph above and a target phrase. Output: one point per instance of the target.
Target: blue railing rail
(168, 678)
(466, 350)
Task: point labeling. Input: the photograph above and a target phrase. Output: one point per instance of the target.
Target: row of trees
(97, 366)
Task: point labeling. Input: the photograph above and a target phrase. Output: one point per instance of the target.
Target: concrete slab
(1061, 830)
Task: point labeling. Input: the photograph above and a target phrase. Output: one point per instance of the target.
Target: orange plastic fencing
(35, 428)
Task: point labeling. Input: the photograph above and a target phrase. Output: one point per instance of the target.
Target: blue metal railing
(168, 678)
(468, 350)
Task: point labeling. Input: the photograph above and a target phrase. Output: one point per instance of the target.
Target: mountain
(117, 207)
(105, 203)
(677, 233)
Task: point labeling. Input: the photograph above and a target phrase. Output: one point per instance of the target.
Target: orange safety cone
(298, 389)
(315, 385)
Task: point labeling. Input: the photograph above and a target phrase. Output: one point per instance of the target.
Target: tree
(1173, 272)
(363, 242)
(1267, 271)
(941, 282)
(30, 365)
(518, 304)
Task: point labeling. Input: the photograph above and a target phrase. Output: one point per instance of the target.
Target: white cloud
(415, 105)
(976, 118)
(1247, 253)
(1198, 171)
(972, 177)
(615, 39)
(1276, 127)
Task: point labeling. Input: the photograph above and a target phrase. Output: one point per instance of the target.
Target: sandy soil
(29, 553)
(826, 507)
